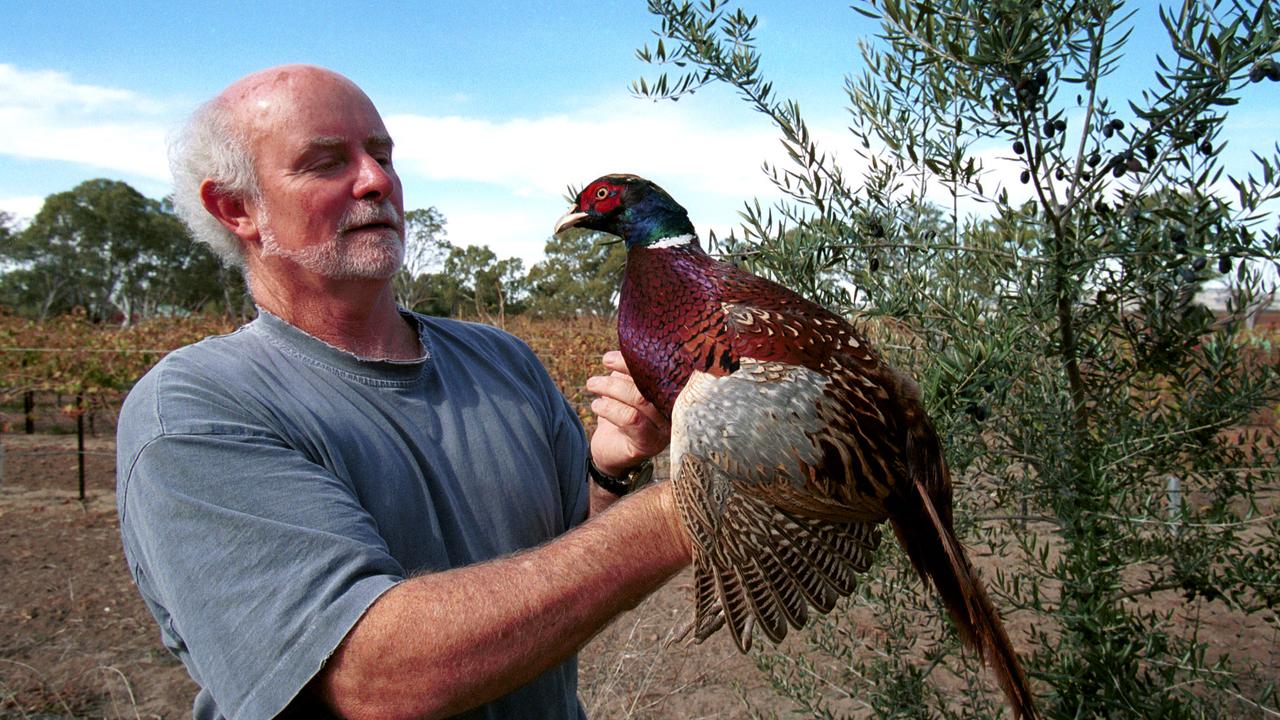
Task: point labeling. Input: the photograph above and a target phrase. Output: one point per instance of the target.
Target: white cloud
(709, 165)
(53, 89)
(22, 208)
(542, 156)
(46, 115)
(515, 173)
(508, 233)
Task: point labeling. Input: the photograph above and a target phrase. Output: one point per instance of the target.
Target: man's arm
(438, 644)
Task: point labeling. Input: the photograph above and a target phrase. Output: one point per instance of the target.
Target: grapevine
(68, 356)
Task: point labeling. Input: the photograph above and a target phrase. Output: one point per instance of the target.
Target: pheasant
(792, 441)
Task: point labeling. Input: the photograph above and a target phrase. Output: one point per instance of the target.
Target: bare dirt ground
(77, 641)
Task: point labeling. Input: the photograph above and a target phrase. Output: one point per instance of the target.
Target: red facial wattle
(600, 198)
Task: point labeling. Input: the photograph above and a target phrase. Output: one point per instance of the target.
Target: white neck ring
(677, 241)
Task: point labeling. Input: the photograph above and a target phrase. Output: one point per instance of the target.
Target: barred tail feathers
(922, 523)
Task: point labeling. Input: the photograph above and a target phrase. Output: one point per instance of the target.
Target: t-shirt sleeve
(571, 450)
(261, 560)
(568, 439)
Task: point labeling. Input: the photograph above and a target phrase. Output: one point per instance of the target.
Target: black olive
(1107, 131)
(1265, 69)
(874, 264)
(1206, 147)
(1025, 177)
(1198, 264)
(1093, 160)
(1224, 264)
(1018, 147)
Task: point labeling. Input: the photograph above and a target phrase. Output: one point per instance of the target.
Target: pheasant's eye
(602, 193)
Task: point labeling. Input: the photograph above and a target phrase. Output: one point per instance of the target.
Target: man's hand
(629, 428)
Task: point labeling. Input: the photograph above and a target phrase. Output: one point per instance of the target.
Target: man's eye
(325, 163)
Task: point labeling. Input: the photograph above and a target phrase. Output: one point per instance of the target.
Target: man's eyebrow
(325, 142)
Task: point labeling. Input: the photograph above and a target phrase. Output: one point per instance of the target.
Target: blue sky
(495, 107)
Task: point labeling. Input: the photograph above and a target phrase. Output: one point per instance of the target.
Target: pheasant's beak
(568, 220)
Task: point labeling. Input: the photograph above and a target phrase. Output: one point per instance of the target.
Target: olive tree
(1036, 248)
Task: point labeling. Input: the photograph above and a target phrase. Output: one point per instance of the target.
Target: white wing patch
(753, 425)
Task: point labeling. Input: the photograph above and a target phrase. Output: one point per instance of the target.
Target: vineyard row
(90, 367)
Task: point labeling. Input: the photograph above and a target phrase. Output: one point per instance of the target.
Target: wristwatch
(635, 477)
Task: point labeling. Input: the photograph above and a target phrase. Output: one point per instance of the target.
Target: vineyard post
(29, 410)
(80, 439)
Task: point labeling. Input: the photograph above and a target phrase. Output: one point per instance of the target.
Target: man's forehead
(294, 121)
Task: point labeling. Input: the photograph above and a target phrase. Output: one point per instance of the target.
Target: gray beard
(369, 257)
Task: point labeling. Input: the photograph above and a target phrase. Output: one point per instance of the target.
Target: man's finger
(618, 413)
(616, 386)
(614, 361)
(623, 389)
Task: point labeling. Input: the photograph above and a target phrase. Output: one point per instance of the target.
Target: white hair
(210, 147)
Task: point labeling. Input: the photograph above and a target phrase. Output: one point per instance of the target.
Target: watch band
(632, 479)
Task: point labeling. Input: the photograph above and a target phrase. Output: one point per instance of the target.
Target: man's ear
(229, 209)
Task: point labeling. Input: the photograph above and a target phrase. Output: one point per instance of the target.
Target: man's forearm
(438, 644)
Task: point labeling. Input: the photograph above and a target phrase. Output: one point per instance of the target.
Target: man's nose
(375, 180)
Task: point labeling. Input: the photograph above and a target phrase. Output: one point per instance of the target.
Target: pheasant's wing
(857, 402)
(879, 450)
(746, 448)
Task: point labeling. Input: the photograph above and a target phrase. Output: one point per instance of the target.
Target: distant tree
(425, 251)
(8, 229)
(189, 277)
(8, 226)
(85, 248)
(506, 278)
(106, 248)
(1101, 426)
(489, 284)
(579, 276)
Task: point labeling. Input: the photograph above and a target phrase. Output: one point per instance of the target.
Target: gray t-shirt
(271, 487)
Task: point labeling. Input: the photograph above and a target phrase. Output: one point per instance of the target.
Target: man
(344, 508)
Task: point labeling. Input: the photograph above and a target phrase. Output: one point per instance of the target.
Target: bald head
(263, 102)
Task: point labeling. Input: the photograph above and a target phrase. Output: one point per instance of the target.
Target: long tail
(922, 521)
